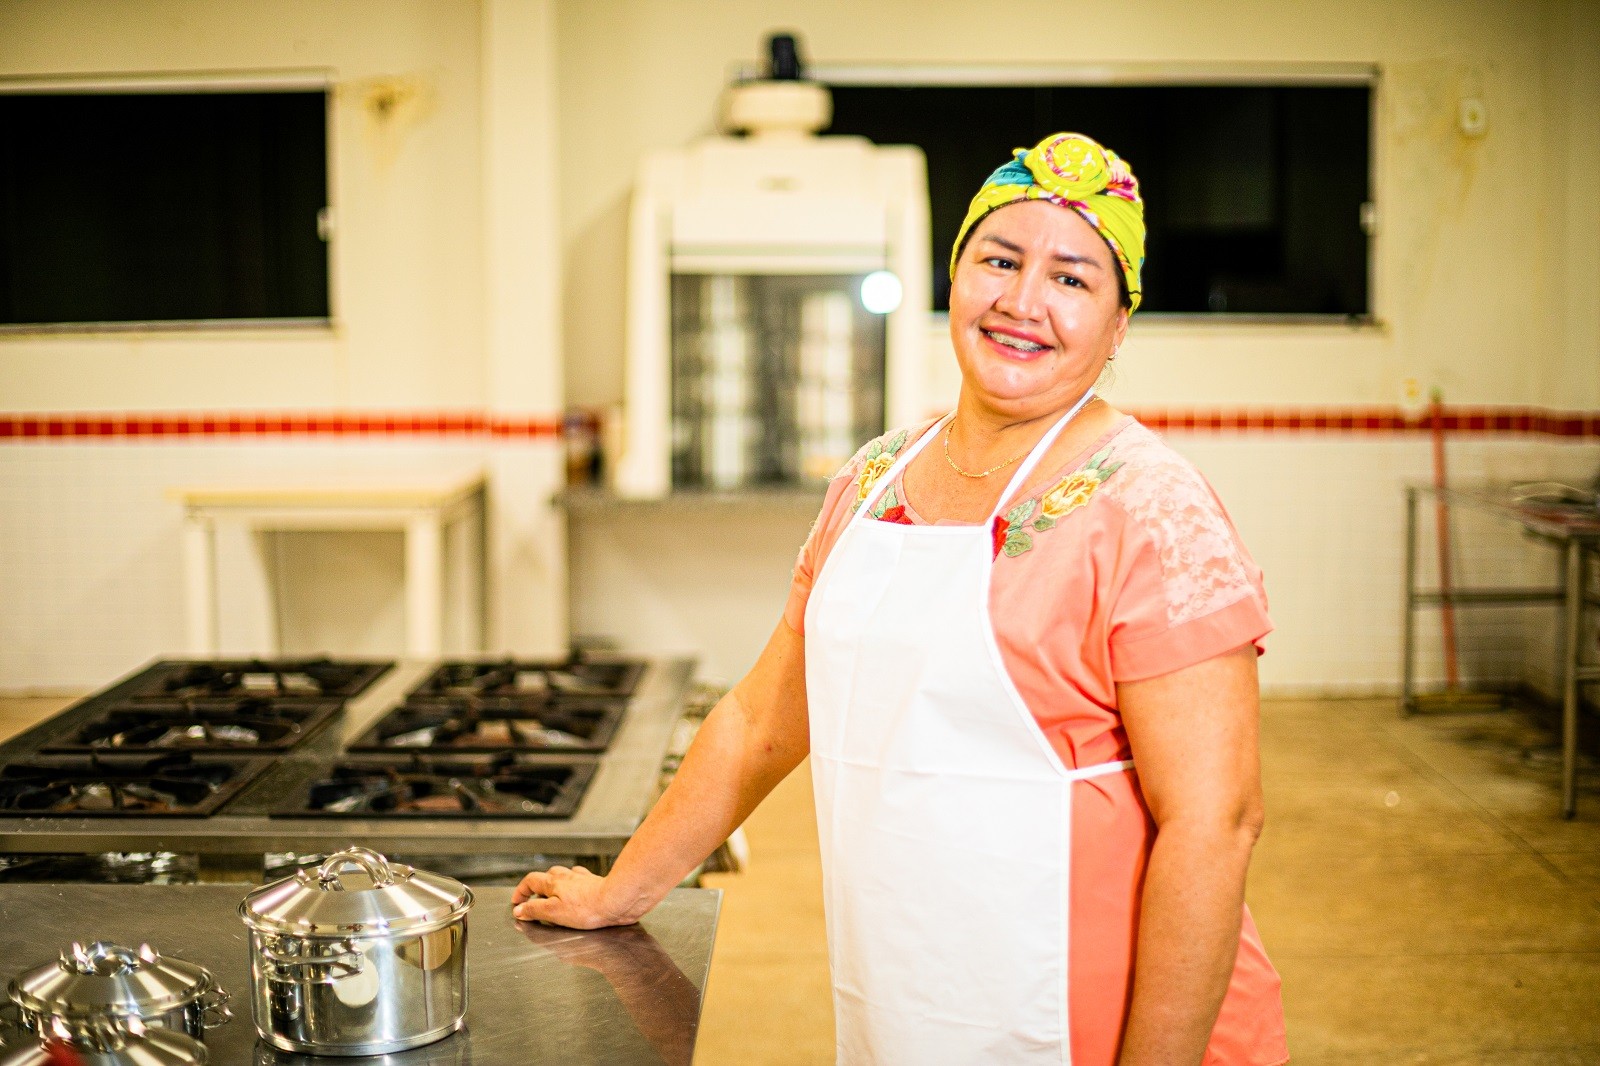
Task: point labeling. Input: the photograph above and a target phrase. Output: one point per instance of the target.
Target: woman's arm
(754, 736)
(1194, 738)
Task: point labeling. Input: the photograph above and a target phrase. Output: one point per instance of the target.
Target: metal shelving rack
(1576, 535)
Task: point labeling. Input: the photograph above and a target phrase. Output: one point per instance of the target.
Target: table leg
(1569, 677)
(200, 585)
(464, 578)
(270, 579)
(424, 586)
(480, 571)
(1408, 621)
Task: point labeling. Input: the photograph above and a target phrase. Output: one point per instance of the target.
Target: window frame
(1164, 75)
(134, 84)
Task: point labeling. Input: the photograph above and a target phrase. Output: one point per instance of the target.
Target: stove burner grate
(433, 786)
(472, 725)
(281, 678)
(245, 725)
(529, 680)
(178, 783)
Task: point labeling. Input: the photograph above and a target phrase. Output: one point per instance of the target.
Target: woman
(1030, 702)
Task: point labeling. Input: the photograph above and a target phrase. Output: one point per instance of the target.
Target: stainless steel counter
(615, 803)
(535, 994)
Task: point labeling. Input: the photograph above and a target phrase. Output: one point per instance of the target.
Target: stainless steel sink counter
(535, 994)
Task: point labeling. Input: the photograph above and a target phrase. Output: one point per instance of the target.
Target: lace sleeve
(1192, 591)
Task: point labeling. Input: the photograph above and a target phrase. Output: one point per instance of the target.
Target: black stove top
(177, 784)
(236, 678)
(519, 682)
(473, 740)
(469, 725)
(444, 786)
(242, 724)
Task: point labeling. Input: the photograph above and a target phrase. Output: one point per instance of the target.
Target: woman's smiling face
(1035, 309)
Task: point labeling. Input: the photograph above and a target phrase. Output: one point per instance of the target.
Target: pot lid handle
(375, 865)
(102, 958)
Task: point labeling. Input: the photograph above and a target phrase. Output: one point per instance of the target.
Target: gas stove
(569, 726)
(238, 759)
(250, 724)
(514, 683)
(430, 786)
(238, 678)
(177, 784)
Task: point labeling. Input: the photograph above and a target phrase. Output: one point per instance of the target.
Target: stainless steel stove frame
(624, 787)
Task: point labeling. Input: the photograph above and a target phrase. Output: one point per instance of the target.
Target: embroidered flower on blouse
(890, 508)
(1069, 494)
(879, 457)
(1011, 530)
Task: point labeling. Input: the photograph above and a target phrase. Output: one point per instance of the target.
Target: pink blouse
(1126, 567)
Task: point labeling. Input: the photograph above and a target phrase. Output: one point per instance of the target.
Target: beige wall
(407, 192)
(1484, 246)
(1488, 285)
(89, 567)
(1572, 78)
(447, 262)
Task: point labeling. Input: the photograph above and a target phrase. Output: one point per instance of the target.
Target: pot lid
(356, 892)
(154, 1047)
(105, 979)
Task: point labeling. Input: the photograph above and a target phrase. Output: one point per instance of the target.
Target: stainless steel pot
(456, 1052)
(156, 1047)
(361, 956)
(103, 985)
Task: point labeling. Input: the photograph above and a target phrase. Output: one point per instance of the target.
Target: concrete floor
(1415, 886)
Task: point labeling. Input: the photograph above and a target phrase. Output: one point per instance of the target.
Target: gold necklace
(968, 473)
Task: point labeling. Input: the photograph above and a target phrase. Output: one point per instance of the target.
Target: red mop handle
(1447, 611)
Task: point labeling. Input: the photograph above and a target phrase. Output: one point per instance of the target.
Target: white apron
(944, 814)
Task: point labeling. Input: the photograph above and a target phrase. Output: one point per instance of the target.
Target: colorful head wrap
(1077, 172)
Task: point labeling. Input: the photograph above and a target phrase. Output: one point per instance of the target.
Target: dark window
(159, 207)
(1253, 194)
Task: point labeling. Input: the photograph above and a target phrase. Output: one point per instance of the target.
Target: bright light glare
(881, 292)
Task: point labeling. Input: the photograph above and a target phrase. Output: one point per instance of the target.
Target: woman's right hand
(573, 897)
(750, 741)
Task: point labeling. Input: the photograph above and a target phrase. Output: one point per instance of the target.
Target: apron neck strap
(1020, 478)
(1017, 481)
(886, 482)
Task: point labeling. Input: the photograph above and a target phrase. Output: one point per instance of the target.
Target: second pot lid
(356, 892)
(108, 979)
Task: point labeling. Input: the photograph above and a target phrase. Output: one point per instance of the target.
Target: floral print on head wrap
(1077, 172)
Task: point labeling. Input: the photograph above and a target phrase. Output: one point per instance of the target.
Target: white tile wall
(1322, 513)
(90, 582)
(90, 566)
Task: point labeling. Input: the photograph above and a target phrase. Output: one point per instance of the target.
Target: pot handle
(88, 959)
(347, 958)
(214, 1009)
(375, 865)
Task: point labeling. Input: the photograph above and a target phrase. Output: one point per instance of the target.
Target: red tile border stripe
(1458, 421)
(276, 424)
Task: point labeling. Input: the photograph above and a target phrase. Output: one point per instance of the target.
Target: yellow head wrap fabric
(1079, 173)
